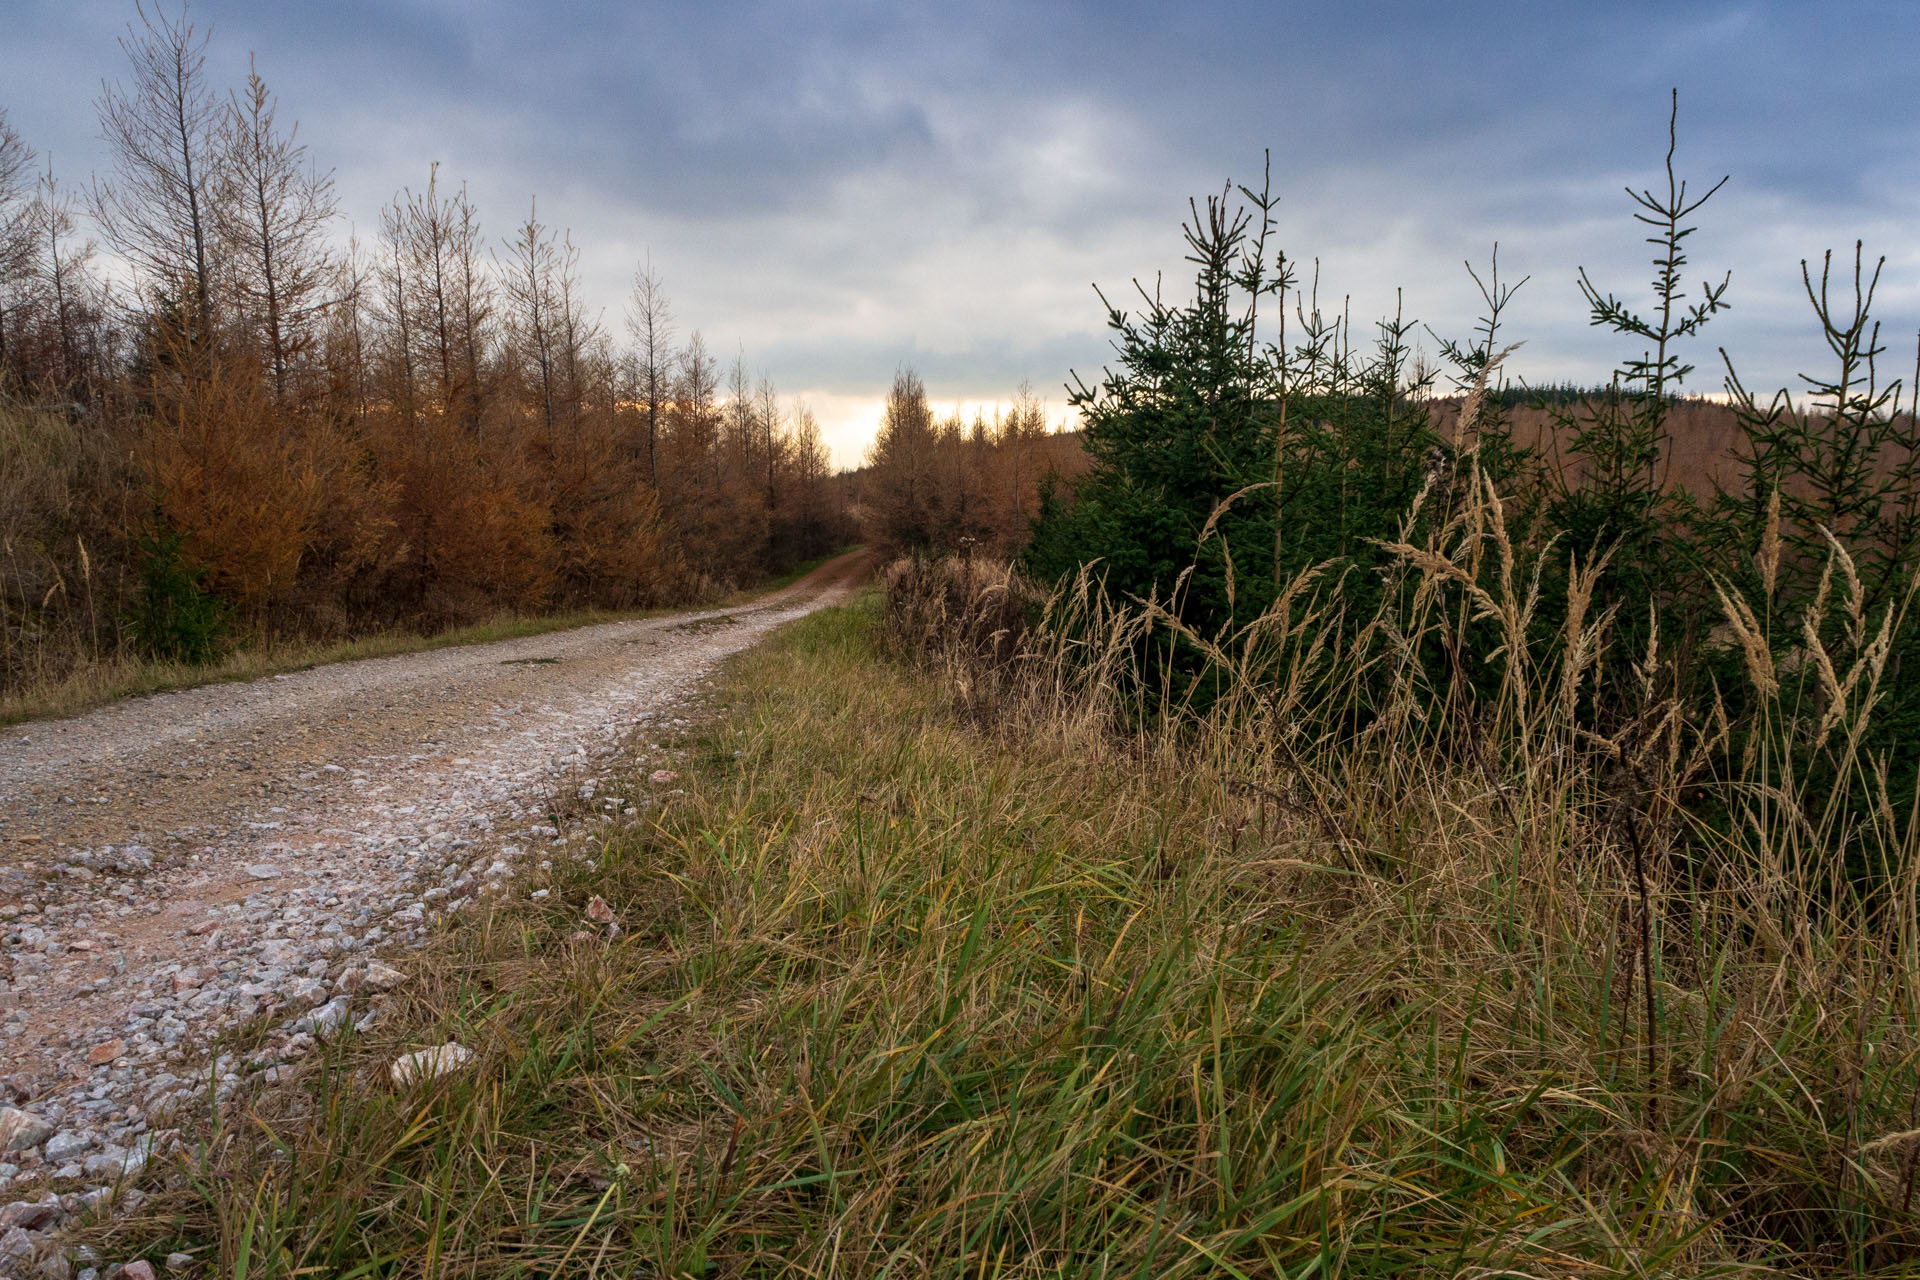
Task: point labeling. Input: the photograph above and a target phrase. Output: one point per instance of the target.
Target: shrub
(173, 617)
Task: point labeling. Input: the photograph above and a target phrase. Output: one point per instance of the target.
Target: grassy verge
(101, 682)
(896, 993)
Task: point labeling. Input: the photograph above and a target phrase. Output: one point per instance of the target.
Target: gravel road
(175, 864)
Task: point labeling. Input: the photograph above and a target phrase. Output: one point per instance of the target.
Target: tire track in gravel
(176, 864)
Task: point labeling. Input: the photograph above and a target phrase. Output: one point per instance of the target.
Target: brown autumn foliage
(939, 486)
(1707, 451)
(1701, 456)
(297, 440)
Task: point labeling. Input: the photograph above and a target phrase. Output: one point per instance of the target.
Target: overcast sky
(843, 188)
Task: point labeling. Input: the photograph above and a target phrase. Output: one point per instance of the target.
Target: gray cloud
(842, 187)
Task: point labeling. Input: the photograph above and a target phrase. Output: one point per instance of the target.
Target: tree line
(265, 427)
(943, 485)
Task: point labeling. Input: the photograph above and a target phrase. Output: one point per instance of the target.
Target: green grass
(905, 992)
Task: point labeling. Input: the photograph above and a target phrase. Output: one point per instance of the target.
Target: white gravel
(174, 865)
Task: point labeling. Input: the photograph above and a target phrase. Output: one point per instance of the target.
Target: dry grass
(1262, 989)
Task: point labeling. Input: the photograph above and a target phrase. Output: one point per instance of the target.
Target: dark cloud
(846, 186)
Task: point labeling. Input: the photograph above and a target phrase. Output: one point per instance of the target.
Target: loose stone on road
(176, 864)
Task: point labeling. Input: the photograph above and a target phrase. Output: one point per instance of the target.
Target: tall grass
(965, 966)
(1671, 964)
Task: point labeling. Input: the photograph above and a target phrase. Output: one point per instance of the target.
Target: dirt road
(177, 863)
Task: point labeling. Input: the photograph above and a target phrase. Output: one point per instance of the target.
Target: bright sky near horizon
(843, 188)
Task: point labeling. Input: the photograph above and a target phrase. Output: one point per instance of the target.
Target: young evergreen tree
(1181, 424)
(1621, 436)
(1621, 504)
(1844, 461)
